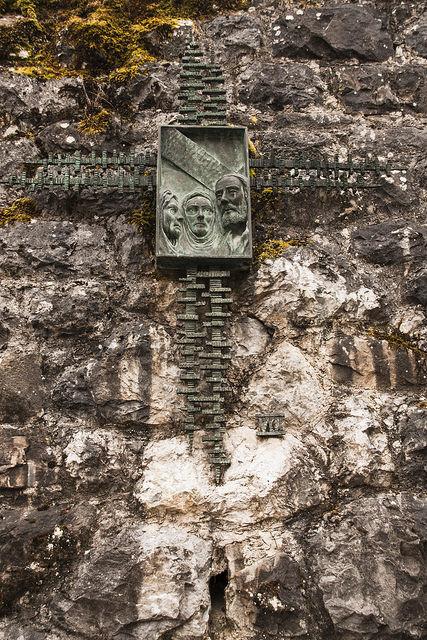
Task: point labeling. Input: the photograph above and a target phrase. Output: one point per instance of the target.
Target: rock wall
(110, 529)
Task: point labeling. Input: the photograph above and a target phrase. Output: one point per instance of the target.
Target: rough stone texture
(275, 85)
(110, 528)
(330, 32)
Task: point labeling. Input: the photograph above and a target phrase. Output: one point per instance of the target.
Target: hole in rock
(217, 616)
(217, 587)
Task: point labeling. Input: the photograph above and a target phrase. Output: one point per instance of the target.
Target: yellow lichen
(99, 40)
(96, 123)
(396, 339)
(275, 248)
(103, 36)
(44, 66)
(21, 210)
(144, 217)
(29, 10)
(253, 151)
(133, 65)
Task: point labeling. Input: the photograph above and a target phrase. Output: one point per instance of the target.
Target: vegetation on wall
(50, 38)
(21, 210)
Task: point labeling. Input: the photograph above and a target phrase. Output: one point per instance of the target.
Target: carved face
(200, 215)
(231, 201)
(172, 219)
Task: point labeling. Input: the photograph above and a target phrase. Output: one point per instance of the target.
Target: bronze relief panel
(203, 197)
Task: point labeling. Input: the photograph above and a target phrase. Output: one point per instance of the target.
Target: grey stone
(276, 85)
(37, 546)
(157, 89)
(114, 385)
(417, 37)
(359, 552)
(376, 89)
(72, 309)
(28, 99)
(417, 287)
(4, 335)
(57, 247)
(279, 597)
(22, 392)
(239, 33)
(332, 32)
(391, 242)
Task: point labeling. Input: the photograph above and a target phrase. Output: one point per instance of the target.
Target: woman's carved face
(200, 215)
(172, 219)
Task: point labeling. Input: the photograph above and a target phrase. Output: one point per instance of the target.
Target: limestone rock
(98, 457)
(332, 32)
(417, 37)
(55, 247)
(27, 99)
(298, 287)
(391, 242)
(22, 392)
(359, 552)
(293, 387)
(111, 528)
(176, 482)
(250, 337)
(275, 85)
(359, 444)
(145, 578)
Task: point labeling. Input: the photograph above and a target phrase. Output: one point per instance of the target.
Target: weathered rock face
(330, 32)
(111, 528)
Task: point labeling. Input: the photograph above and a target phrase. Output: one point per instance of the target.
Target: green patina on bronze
(203, 197)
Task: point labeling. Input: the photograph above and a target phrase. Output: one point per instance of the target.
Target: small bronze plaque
(270, 426)
(203, 197)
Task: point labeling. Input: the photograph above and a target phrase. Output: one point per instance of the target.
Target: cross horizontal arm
(366, 164)
(308, 181)
(101, 159)
(287, 173)
(66, 180)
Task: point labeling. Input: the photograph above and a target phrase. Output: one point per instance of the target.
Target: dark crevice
(217, 587)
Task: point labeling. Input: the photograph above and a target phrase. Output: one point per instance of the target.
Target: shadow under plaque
(203, 198)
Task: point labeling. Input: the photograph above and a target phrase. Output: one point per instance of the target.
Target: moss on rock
(21, 210)
(144, 218)
(105, 36)
(275, 248)
(96, 123)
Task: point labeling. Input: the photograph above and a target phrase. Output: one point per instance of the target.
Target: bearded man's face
(231, 201)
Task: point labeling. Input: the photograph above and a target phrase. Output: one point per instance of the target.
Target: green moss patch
(96, 123)
(144, 218)
(275, 248)
(105, 37)
(21, 210)
(397, 339)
